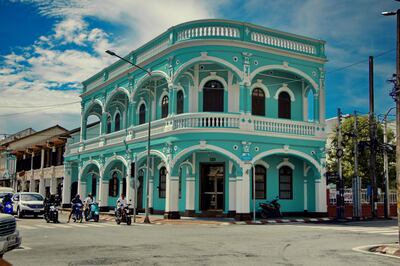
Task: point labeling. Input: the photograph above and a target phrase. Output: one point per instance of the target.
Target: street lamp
(396, 96)
(146, 219)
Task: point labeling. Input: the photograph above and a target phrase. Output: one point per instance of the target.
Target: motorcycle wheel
(96, 218)
(264, 215)
(128, 220)
(118, 221)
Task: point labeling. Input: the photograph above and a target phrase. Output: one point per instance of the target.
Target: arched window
(142, 114)
(285, 183)
(113, 185)
(94, 185)
(164, 107)
(162, 182)
(261, 182)
(258, 102)
(108, 124)
(213, 96)
(179, 102)
(117, 122)
(284, 106)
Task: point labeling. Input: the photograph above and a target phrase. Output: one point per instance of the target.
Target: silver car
(28, 203)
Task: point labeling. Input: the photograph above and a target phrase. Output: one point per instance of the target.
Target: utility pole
(396, 95)
(356, 179)
(372, 138)
(386, 168)
(339, 184)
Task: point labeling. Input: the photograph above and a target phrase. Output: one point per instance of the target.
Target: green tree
(363, 154)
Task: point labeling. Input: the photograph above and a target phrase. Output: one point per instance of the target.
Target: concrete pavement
(206, 244)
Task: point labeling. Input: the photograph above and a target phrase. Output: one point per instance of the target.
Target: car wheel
(19, 213)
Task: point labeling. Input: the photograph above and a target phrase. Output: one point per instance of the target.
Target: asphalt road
(106, 243)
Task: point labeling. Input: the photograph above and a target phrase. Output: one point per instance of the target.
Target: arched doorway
(74, 189)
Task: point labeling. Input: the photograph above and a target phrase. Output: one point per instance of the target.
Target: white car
(30, 203)
(9, 235)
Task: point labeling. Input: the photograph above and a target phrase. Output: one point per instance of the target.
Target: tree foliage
(348, 140)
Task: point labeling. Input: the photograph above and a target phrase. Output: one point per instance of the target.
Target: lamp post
(396, 96)
(146, 219)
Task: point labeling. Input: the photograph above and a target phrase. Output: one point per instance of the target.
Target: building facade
(8, 160)
(40, 160)
(226, 100)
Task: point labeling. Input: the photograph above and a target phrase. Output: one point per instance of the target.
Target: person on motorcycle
(48, 201)
(86, 203)
(75, 200)
(121, 204)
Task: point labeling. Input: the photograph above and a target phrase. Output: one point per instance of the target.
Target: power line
(38, 106)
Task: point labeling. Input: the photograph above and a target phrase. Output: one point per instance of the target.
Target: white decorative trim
(143, 154)
(164, 93)
(288, 68)
(113, 93)
(292, 152)
(213, 76)
(161, 165)
(260, 85)
(156, 73)
(93, 103)
(87, 164)
(306, 169)
(203, 147)
(114, 158)
(205, 57)
(285, 162)
(262, 163)
(285, 88)
(142, 101)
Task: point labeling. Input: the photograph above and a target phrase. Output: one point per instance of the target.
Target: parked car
(9, 235)
(28, 203)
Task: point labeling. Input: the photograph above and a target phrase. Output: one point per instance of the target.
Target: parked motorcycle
(77, 212)
(51, 213)
(123, 215)
(271, 209)
(7, 205)
(92, 212)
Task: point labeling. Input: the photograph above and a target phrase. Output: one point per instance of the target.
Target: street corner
(388, 250)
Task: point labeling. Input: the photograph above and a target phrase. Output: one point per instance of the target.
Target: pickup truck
(9, 235)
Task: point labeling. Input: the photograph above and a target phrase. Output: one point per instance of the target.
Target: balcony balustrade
(207, 122)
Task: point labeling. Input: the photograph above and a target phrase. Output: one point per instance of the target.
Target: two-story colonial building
(223, 97)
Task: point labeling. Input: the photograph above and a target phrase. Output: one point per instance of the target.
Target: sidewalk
(159, 219)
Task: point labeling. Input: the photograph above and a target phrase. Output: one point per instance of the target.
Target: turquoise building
(228, 102)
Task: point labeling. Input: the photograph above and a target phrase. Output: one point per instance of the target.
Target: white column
(42, 159)
(172, 196)
(66, 190)
(22, 185)
(80, 190)
(320, 195)
(128, 183)
(305, 195)
(121, 186)
(243, 191)
(53, 185)
(232, 194)
(190, 193)
(83, 193)
(42, 185)
(103, 192)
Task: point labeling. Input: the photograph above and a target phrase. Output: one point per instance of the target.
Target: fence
(365, 198)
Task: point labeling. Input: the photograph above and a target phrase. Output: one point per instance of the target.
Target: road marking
(26, 227)
(380, 231)
(64, 226)
(45, 226)
(391, 234)
(107, 224)
(79, 225)
(313, 220)
(94, 225)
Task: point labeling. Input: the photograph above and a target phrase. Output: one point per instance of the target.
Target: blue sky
(48, 47)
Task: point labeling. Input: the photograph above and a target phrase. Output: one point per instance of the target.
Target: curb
(365, 250)
(275, 221)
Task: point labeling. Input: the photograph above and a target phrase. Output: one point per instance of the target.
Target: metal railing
(365, 198)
